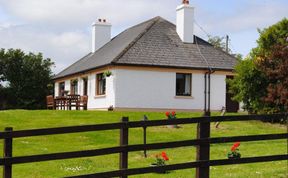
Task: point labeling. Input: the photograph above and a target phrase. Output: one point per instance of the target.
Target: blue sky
(61, 29)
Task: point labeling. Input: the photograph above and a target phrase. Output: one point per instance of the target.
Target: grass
(21, 119)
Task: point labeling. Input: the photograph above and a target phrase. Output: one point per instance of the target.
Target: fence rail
(188, 165)
(202, 143)
(134, 124)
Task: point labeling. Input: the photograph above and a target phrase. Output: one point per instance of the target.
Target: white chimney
(101, 34)
(185, 22)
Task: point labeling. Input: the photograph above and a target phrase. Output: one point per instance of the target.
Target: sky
(61, 29)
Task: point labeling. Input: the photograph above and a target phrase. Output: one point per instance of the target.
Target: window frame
(61, 92)
(190, 87)
(84, 85)
(100, 78)
(73, 89)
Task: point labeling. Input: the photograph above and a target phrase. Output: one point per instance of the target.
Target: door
(231, 106)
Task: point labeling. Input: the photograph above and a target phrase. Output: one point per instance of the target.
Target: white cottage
(155, 65)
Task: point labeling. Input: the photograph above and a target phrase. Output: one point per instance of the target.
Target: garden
(22, 119)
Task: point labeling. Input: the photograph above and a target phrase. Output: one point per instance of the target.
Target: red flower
(164, 156)
(237, 144)
(167, 114)
(173, 113)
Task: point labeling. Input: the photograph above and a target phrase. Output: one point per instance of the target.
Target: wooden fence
(203, 143)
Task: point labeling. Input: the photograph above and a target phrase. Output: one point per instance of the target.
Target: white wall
(67, 86)
(56, 89)
(150, 89)
(153, 89)
(100, 102)
(218, 91)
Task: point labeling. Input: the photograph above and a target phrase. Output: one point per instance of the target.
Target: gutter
(207, 106)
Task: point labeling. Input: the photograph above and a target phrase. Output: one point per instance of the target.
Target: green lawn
(20, 119)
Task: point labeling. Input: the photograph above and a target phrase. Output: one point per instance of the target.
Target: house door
(231, 106)
(85, 85)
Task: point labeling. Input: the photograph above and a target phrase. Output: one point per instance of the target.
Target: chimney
(101, 34)
(185, 22)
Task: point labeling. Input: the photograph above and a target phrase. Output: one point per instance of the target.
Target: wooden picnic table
(67, 102)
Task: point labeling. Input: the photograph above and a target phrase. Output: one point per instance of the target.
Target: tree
(261, 81)
(218, 42)
(249, 85)
(26, 77)
(275, 69)
(270, 37)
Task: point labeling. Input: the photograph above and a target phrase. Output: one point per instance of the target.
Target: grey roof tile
(154, 43)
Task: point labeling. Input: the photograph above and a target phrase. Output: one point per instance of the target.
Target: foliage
(3, 97)
(275, 66)
(27, 76)
(218, 42)
(74, 82)
(261, 81)
(107, 73)
(171, 115)
(249, 85)
(161, 159)
(276, 34)
(234, 153)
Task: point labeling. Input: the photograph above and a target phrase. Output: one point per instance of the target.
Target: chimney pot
(99, 20)
(185, 2)
(104, 20)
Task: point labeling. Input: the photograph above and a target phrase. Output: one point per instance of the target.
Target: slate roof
(153, 43)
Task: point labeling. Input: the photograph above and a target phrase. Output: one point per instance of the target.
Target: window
(100, 84)
(85, 85)
(183, 84)
(61, 88)
(74, 87)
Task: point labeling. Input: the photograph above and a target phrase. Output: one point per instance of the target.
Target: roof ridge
(84, 57)
(154, 20)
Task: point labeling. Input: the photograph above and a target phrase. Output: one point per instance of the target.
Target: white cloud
(82, 12)
(246, 17)
(60, 29)
(63, 48)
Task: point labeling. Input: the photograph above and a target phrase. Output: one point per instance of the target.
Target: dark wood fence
(203, 143)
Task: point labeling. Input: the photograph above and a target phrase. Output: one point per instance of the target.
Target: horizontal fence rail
(138, 147)
(135, 124)
(179, 166)
(8, 160)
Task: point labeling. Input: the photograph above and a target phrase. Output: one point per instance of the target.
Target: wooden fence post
(7, 153)
(203, 150)
(144, 140)
(124, 142)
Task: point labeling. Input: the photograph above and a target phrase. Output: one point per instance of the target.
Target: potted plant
(74, 82)
(107, 73)
(234, 153)
(110, 108)
(161, 160)
(171, 116)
